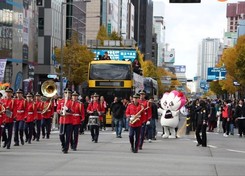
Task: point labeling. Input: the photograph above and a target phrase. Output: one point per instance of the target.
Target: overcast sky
(188, 24)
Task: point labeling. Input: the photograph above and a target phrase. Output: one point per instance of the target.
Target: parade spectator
(118, 111)
(240, 117)
(212, 119)
(226, 112)
(137, 67)
(202, 117)
(106, 56)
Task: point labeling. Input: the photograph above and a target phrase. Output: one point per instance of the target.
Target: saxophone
(136, 116)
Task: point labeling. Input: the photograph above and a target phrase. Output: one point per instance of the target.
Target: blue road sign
(216, 73)
(52, 76)
(203, 84)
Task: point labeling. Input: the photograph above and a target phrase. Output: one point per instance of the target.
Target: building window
(41, 23)
(8, 73)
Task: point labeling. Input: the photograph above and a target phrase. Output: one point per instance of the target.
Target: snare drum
(94, 120)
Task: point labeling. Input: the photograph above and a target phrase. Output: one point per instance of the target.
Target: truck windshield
(110, 72)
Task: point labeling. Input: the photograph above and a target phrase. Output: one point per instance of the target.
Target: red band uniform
(30, 114)
(94, 109)
(144, 118)
(65, 120)
(19, 115)
(47, 114)
(134, 128)
(39, 105)
(78, 115)
(8, 120)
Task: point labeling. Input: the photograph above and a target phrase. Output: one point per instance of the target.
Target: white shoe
(225, 135)
(149, 140)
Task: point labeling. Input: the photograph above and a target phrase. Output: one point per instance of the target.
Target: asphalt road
(111, 156)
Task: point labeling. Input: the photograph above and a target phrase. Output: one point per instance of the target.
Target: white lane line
(212, 146)
(237, 151)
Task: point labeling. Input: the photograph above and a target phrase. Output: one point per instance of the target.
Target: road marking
(212, 146)
(237, 151)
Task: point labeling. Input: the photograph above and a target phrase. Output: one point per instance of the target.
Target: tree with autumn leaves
(150, 70)
(233, 59)
(76, 58)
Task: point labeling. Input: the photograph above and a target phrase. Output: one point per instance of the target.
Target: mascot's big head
(173, 101)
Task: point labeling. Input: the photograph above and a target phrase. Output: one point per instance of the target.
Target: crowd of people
(31, 117)
(223, 115)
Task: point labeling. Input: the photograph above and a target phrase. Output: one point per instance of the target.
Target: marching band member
(103, 105)
(64, 108)
(39, 106)
(20, 104)
(94, 108)
(47, 114)
(78, 115)
(7, 116)
(144, 118)
(134, 112)
(30, 113)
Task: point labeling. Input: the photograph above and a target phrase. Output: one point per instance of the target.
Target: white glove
(131, 118)
(148, 122)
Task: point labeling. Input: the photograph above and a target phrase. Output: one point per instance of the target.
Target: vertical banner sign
(26, 28)
(2, 68)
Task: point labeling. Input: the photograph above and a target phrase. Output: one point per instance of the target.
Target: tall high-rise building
(207, 56)
(131, 19)
(143, 27)
(159, 29)
(49, 37)
(234, 12)
(97, 10)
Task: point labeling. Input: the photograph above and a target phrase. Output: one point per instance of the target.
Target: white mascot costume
(171, 104)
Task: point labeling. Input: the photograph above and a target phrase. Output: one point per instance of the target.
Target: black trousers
(94, 129)
(241, 126)
(201, 139)
(38, 129)
(74, 136)
(65, 136)
(226, 126)
(142, 134)
(46, 126)
(29, 131)
(134, 137)
(19, 130)
(7, 134)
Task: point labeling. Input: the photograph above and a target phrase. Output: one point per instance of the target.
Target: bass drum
(94, 120)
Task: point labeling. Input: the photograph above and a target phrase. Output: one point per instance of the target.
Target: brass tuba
(49, 88)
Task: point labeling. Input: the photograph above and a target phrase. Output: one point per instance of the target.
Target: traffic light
(39, 2)
(184, 1)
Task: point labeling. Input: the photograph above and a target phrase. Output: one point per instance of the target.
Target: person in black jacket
(117, 111)
(201, 121)
(212, 119)
(240, 117)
